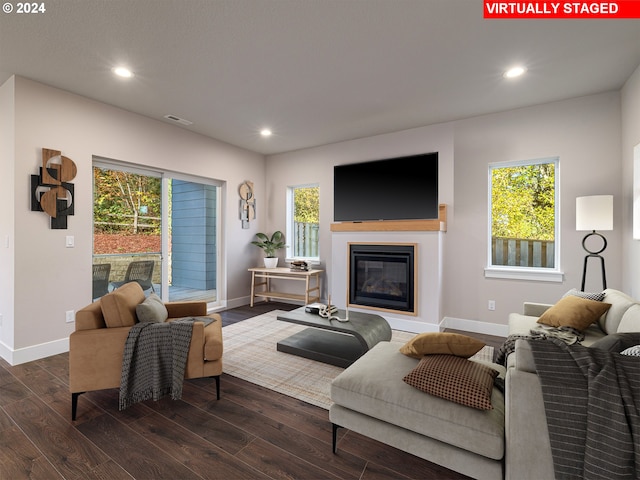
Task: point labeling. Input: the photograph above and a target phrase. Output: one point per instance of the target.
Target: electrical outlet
(491, 305)
(70, 316)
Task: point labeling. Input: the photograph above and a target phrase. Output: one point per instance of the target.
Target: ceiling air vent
(179, 120)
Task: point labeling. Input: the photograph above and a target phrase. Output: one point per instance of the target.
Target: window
(523, 220)
(303, 222)
(167, 219)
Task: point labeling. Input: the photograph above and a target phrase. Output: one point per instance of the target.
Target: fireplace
(382, 276)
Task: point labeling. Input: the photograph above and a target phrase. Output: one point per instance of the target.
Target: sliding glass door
(192, 234)
(165, 222)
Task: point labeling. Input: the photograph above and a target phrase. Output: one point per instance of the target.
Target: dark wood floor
(250, 433)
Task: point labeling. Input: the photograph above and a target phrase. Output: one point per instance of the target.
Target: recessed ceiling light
(514, 72)
(265, 132)
(123, 72)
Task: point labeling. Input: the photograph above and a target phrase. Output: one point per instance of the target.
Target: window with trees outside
(303, 222)
(524, 220)
(157, 228)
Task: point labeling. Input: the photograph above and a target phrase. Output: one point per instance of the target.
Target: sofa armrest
(524, 357)
(95, 358)
(186, 309)
(528, 449)
(90, 317)
(532, 309)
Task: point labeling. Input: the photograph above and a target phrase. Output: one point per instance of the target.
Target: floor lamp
(594, 213)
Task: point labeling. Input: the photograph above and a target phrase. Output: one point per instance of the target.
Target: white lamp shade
(594, 212)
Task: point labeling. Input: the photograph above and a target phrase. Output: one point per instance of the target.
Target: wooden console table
(263, 277)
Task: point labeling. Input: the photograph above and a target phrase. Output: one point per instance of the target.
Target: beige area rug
(250, 354)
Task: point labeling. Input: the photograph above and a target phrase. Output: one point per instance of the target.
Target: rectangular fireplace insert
(382, 276)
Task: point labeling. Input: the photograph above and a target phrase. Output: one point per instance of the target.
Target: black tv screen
(403, 188)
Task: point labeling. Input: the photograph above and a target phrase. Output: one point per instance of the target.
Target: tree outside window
(127, 209)
(523, 214)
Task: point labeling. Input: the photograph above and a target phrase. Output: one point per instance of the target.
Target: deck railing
(519, 252)
(305, 239)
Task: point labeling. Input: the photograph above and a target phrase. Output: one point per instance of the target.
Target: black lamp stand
(594, 254)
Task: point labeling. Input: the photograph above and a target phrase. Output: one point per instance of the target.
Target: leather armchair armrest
(90, 317)
(186, 309)
(95, 358)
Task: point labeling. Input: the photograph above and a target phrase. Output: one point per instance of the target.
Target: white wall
(315, 165)
(7, 216)
(630, 138)
(585, 134)
(51, 279)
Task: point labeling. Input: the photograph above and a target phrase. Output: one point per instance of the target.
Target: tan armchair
(96, 347)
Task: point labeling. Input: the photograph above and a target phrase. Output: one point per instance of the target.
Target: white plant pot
(270, 262)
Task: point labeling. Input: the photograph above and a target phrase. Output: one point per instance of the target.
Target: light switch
(70, 243)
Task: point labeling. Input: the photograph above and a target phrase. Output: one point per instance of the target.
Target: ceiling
(314, 71)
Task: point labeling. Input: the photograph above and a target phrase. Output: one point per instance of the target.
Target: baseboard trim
(475, 326)
(6, 352)
(235, 303)
(411, 325)
(34, 352)
(407, 325)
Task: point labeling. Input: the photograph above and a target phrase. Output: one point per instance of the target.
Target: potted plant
(270, 246)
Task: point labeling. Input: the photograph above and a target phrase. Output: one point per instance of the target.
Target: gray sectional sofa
(525, 421)
(371, 398)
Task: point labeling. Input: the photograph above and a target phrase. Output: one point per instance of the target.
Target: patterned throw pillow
(454, 378)
(444, 343)
(595, 296)
(633, 351)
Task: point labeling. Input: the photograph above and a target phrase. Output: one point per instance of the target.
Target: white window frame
(519, 272)
(290, 226)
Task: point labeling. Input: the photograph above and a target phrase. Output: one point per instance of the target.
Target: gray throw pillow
(152, 310)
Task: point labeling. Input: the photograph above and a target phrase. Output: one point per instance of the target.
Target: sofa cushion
(444, 343)
(620, 303)
(575, 312)
(152, 310)
(119, 306)
(373, 386)
(630, 321)
(454, 378)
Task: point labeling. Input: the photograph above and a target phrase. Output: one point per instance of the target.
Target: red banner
(561, 9)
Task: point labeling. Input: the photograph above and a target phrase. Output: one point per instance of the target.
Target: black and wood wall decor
(51, 190)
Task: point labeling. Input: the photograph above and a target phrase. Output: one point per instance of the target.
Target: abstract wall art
(51, 190)
(247, 203)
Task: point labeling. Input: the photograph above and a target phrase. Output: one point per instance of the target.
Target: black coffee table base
(323, 346)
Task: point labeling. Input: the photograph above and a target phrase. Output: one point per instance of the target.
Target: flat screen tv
(403, 188)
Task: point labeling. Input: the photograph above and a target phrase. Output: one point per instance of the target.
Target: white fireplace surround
(428, 254)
